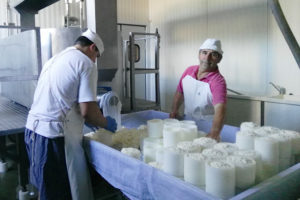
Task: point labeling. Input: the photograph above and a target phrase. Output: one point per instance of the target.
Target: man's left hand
(214, 136)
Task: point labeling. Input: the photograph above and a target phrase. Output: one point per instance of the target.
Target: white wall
(255, 51)
(133, 11)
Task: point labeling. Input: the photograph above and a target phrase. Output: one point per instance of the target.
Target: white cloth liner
(269, 150)
(245, 139)
(220, 179)
(244, 171)
(155, 128)
(257, 157)
(194, 169)
(171, 136)
(173, 162)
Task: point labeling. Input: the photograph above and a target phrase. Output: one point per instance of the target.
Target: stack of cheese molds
(155, 184)
(222, 168)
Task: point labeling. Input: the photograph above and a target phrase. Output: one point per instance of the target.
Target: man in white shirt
(64, 99)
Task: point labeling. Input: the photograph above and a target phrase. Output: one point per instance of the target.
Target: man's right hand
(111, 124)
(173, 115)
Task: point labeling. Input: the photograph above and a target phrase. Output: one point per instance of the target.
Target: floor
(9, 182)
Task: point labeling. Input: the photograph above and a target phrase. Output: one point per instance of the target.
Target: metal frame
(133, 70)
(285, 29)
(11, 107)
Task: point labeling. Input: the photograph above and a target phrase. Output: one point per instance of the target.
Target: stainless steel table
(12, 122)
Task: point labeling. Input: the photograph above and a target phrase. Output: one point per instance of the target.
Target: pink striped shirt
(215, 80)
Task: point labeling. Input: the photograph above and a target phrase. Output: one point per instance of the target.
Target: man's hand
(214, 136)
(111, 124)
(218, 121)
(177, 101)
(172, 115)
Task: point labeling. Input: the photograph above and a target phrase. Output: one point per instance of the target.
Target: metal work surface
(12, 117)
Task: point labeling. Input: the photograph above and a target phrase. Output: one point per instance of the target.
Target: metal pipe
(67, 13)
(235, 92)
(7, 15)
(132, 74)
(7, 12)
(275, 86)
(285, 29)
(281, 90)
(157, 87)
(81, 13)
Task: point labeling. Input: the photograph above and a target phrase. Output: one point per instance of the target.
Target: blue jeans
(48, 170)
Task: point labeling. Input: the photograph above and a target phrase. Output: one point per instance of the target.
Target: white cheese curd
(226, 146)
(155, 165)
(266, 130)
(132, 152)
(214, 154)
(188, 147)
(248, 126)
(205, 142)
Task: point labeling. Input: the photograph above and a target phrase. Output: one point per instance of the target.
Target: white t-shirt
(73, 77)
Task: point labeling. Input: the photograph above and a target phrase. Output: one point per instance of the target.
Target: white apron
(79, 178)
(197, 99)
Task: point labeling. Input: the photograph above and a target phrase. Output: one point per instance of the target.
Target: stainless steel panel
(63, 37)
(20, 57)
(242, 110)
(284, 116)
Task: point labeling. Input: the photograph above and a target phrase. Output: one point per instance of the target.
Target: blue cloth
(48, 171)
(136, 179)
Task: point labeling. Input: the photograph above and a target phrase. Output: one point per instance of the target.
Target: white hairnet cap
(95, 38)
(212, 44)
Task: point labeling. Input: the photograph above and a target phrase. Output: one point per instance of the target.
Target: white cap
(212, 44)
(95, 38)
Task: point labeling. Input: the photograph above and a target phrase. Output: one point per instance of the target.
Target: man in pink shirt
(203, 89)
